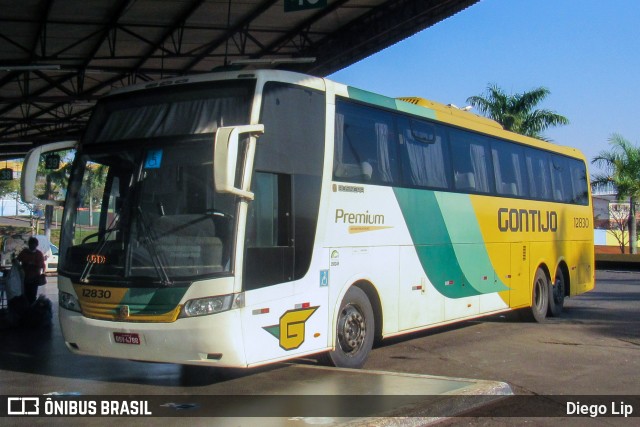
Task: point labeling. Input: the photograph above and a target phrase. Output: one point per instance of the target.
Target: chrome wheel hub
(351, 329)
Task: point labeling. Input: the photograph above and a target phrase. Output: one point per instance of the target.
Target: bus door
(282, 316)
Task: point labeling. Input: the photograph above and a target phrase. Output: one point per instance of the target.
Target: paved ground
(593, 349)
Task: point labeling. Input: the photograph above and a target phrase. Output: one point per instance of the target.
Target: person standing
(32, 261)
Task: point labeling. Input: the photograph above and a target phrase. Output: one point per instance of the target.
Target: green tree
(95, 180)
(9, 187)
(517, 113)
(622, 171)
(50, 184)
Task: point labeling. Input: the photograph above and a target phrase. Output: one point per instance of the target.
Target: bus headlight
(68, 301)
(212, 305)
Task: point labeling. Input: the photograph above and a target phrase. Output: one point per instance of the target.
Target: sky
(586, 52)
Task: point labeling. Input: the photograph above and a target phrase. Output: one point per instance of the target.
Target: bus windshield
(149, 212)
(141, 203)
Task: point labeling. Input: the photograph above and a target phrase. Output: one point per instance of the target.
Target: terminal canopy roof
(57, 57)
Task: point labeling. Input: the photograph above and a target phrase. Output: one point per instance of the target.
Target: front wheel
(355, 331)
(556, 294)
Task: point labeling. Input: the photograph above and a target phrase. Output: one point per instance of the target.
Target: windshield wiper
(147, 241)
(91, 261)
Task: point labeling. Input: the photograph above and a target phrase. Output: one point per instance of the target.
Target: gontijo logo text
(527, 220)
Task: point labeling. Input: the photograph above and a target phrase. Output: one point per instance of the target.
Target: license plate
(126, 338)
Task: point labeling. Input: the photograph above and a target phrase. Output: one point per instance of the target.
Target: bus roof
(452, 110)
(412, 105)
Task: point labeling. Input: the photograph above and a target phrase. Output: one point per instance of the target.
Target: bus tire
(355, 331)
(557, 291)
(540, 297)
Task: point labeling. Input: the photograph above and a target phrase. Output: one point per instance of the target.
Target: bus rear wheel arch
(355, 331)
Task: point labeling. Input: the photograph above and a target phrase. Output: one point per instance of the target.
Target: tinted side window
(538, 175)
(579, 182)
(294, 123)
(509, 169)
(266, 224)
(292, 150)
(471, 162)
(269, 251)
(365, 145)
(380, 147)
(424, 154)
(561, 179)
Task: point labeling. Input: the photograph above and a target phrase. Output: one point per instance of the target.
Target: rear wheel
(540, 302)
(355, 331)
(556, 294)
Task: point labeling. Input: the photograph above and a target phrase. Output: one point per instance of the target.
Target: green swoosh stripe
(152, 301)
(437, 220)
(390, 103)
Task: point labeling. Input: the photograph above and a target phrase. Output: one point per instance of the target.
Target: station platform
(300, 394)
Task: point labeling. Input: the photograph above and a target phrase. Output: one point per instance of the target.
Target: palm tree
(517, 113)
(622, 170)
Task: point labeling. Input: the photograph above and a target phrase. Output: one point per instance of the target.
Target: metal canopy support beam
(40, 103)
(59, 82)
(41, 36)
(301, 29)
(231, 31)
(88, 94)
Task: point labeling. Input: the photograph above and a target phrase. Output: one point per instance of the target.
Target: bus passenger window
(365, 145)
(508, 168)
(579, 182)
(471, 164)
(423, 153)
(560, 179)
(537, 163)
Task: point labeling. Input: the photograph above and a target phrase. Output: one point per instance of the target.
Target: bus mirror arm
(225, 158)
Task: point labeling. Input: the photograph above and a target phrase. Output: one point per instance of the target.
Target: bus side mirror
(37, 160)
(225, 159)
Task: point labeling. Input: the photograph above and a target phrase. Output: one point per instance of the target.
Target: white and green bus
(244, 218)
